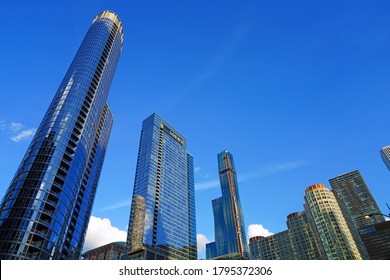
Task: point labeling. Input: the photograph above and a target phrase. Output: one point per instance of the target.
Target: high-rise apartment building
(385, 154)
(230, 235)
(274, 247)
(305, 241)
(46, 209)
(353, 193)
(299, 242)
(324, 230)
(162, 219)
(338, 236)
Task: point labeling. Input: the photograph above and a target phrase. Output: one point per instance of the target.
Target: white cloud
(197, 169)
(120, 204)
(24, 134)
(207, 185)
(100, 232)
(14, 126)
(263, 171)
(3, 124)
(258, 230)
(15, 130)
(201, 240)
(273, 168)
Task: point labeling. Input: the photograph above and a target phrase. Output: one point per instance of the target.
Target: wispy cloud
(261, 172)
(120, 204)
(24, 134)
(207, 185)
(15, 130)
(273, 168)
(14, 126)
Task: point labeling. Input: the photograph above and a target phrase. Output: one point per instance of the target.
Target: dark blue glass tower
(230, 235)
(162, 218)
(46, 209)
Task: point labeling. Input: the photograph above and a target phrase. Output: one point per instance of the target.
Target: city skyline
(297, 95)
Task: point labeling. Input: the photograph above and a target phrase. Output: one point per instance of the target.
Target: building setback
(162, 221)
(230, 235)
(45, 211)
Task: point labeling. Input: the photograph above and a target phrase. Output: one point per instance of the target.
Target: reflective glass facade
(355, 196)
(45, 212)
(376, 238)
(162, 219)
(338, 236)
(230, 234)
(385, 154)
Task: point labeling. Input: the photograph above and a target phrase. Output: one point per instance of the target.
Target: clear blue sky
(298, 91)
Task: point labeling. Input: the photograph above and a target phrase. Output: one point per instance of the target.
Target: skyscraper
(339, 238)
(162, 219)
(46, 209)
(355, 196)
(230, 235)
(385, 154)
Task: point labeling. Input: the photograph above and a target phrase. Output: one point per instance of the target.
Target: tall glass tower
(230, 235)
(45, 211)
(162, 219)
(353, 193)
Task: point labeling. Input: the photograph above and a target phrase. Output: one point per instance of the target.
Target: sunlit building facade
(229, 227)
(162, 221)
(385, 154)
(352, 191)
(275, 247)
(339, 238)
(46, 209)
(299, 242)
(305, 241)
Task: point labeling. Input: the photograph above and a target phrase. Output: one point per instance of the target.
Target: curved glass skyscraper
(230, 235)
(45, 212)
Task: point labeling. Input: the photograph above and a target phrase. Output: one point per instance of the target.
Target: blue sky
(297, 91)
